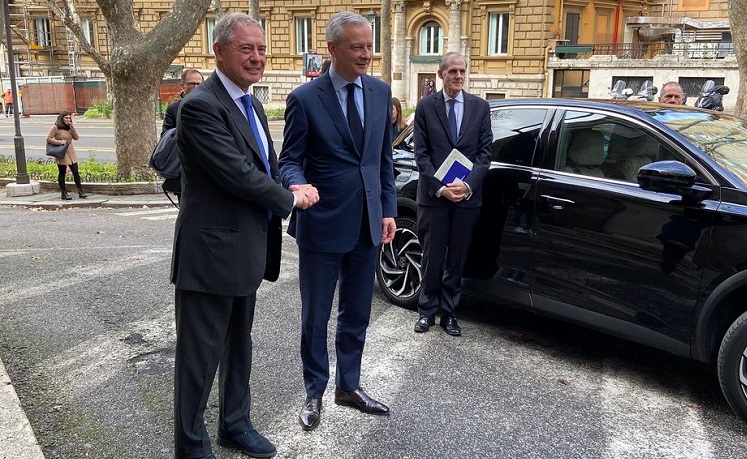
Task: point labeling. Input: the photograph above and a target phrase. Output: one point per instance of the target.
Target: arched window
(430, 38)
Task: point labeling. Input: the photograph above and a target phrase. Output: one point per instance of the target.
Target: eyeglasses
(192, 84)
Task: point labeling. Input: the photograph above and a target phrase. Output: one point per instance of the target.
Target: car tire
(399, 270)
(732, 366)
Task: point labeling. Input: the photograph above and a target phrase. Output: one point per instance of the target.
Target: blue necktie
(452, 120)
(246, 99)
(354, 119)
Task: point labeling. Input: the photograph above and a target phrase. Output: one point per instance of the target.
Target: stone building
(515, 48)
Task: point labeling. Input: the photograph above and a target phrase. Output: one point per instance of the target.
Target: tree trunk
(386, 41)
(738, 24)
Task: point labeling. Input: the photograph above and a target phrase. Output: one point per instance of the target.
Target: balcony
(693, 50)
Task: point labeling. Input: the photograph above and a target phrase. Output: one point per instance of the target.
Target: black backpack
(165, 161)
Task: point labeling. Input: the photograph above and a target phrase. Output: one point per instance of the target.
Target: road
(87, 335)
(96, 137)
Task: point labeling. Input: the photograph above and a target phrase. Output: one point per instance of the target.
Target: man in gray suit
(447, 212)
(227, 239)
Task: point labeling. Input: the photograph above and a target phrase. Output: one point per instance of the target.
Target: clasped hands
(455, 191)
(306, 195)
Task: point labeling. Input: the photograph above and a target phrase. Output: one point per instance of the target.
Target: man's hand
(306, 195)
(388, 227)
(455, 191)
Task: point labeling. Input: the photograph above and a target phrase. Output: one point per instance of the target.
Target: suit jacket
(433, 144)
(223, 240)
(318, 149)
(169, 120)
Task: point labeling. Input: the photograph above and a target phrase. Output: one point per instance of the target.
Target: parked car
(627, 217)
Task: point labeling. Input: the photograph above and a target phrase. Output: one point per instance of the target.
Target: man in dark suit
(338, 139)
(227, 239)
(190, 79)
(447, 212)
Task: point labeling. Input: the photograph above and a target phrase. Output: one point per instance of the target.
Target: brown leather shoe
(360, 400)
(310, 414)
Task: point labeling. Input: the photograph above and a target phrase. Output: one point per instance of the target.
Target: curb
(17, 438)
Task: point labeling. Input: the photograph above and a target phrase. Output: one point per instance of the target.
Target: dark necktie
(246, 100)
(452, 120)
(354, 119)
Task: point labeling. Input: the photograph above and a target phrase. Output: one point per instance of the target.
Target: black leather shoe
(449, 323)
(424, 324)
(81, 194)
(311, 414)
(65, 197)
(360, 400)
(251, 443)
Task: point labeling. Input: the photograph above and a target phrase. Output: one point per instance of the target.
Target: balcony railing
(699, 50)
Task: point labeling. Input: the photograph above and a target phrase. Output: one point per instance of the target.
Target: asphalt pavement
(17, 439)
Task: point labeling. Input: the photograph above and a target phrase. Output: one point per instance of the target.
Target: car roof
(631, 107)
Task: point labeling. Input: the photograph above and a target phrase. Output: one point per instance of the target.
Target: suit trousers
(445, 233)
(211, 329)
(319, 274)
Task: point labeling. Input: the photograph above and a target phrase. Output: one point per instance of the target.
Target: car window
(599, 145)
(515, 134)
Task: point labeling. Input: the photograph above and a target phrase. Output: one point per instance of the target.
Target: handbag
(58, 151)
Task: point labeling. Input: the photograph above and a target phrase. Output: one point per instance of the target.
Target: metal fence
(694, 50)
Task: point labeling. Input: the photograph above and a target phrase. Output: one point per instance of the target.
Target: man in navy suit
(227, 238)
(447, 212)
(338, 139)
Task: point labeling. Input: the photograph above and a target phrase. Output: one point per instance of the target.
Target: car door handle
(557, 203)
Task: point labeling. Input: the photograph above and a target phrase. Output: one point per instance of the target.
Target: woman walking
(61, 133)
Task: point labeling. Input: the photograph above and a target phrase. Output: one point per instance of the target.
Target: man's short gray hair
(444, 62)
(223, 32)
(341, 19)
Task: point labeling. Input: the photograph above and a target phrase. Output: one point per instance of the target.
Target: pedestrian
(671, 93)
(8, 99)
(227, 239)
(60, 133)
(447, 212)
(398, 121)
(425, 88)
(190, 79)
(338, 239)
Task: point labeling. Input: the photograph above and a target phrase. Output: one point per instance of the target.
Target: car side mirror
(672, 177)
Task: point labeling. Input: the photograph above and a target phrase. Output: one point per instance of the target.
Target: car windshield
(723, 138)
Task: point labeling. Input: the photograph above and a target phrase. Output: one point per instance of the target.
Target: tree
(135, 67)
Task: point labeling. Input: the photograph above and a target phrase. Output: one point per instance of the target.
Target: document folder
(456, 167)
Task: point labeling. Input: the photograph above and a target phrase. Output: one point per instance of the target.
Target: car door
(606, 252)
(500, 257)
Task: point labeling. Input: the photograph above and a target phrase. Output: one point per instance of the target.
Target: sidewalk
(52, 201)
(17, 439)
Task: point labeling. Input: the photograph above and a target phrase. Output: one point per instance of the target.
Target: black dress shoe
(251, 443)
(424, 324)
(360, 400)
(311, 414)
(449, 323)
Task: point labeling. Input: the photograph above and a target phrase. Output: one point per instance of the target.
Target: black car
(626, 217)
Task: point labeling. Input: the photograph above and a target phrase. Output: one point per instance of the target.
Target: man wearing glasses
(190, 79)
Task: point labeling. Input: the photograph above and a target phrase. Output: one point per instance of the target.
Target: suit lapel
(242, 124)
(329, 100)
(438, 99)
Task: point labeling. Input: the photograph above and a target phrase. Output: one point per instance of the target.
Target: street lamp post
(371, 16)
(22, 176)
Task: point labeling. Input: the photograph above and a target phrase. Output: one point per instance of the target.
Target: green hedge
(90, 171)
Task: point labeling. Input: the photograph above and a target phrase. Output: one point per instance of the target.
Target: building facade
(515, 48)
